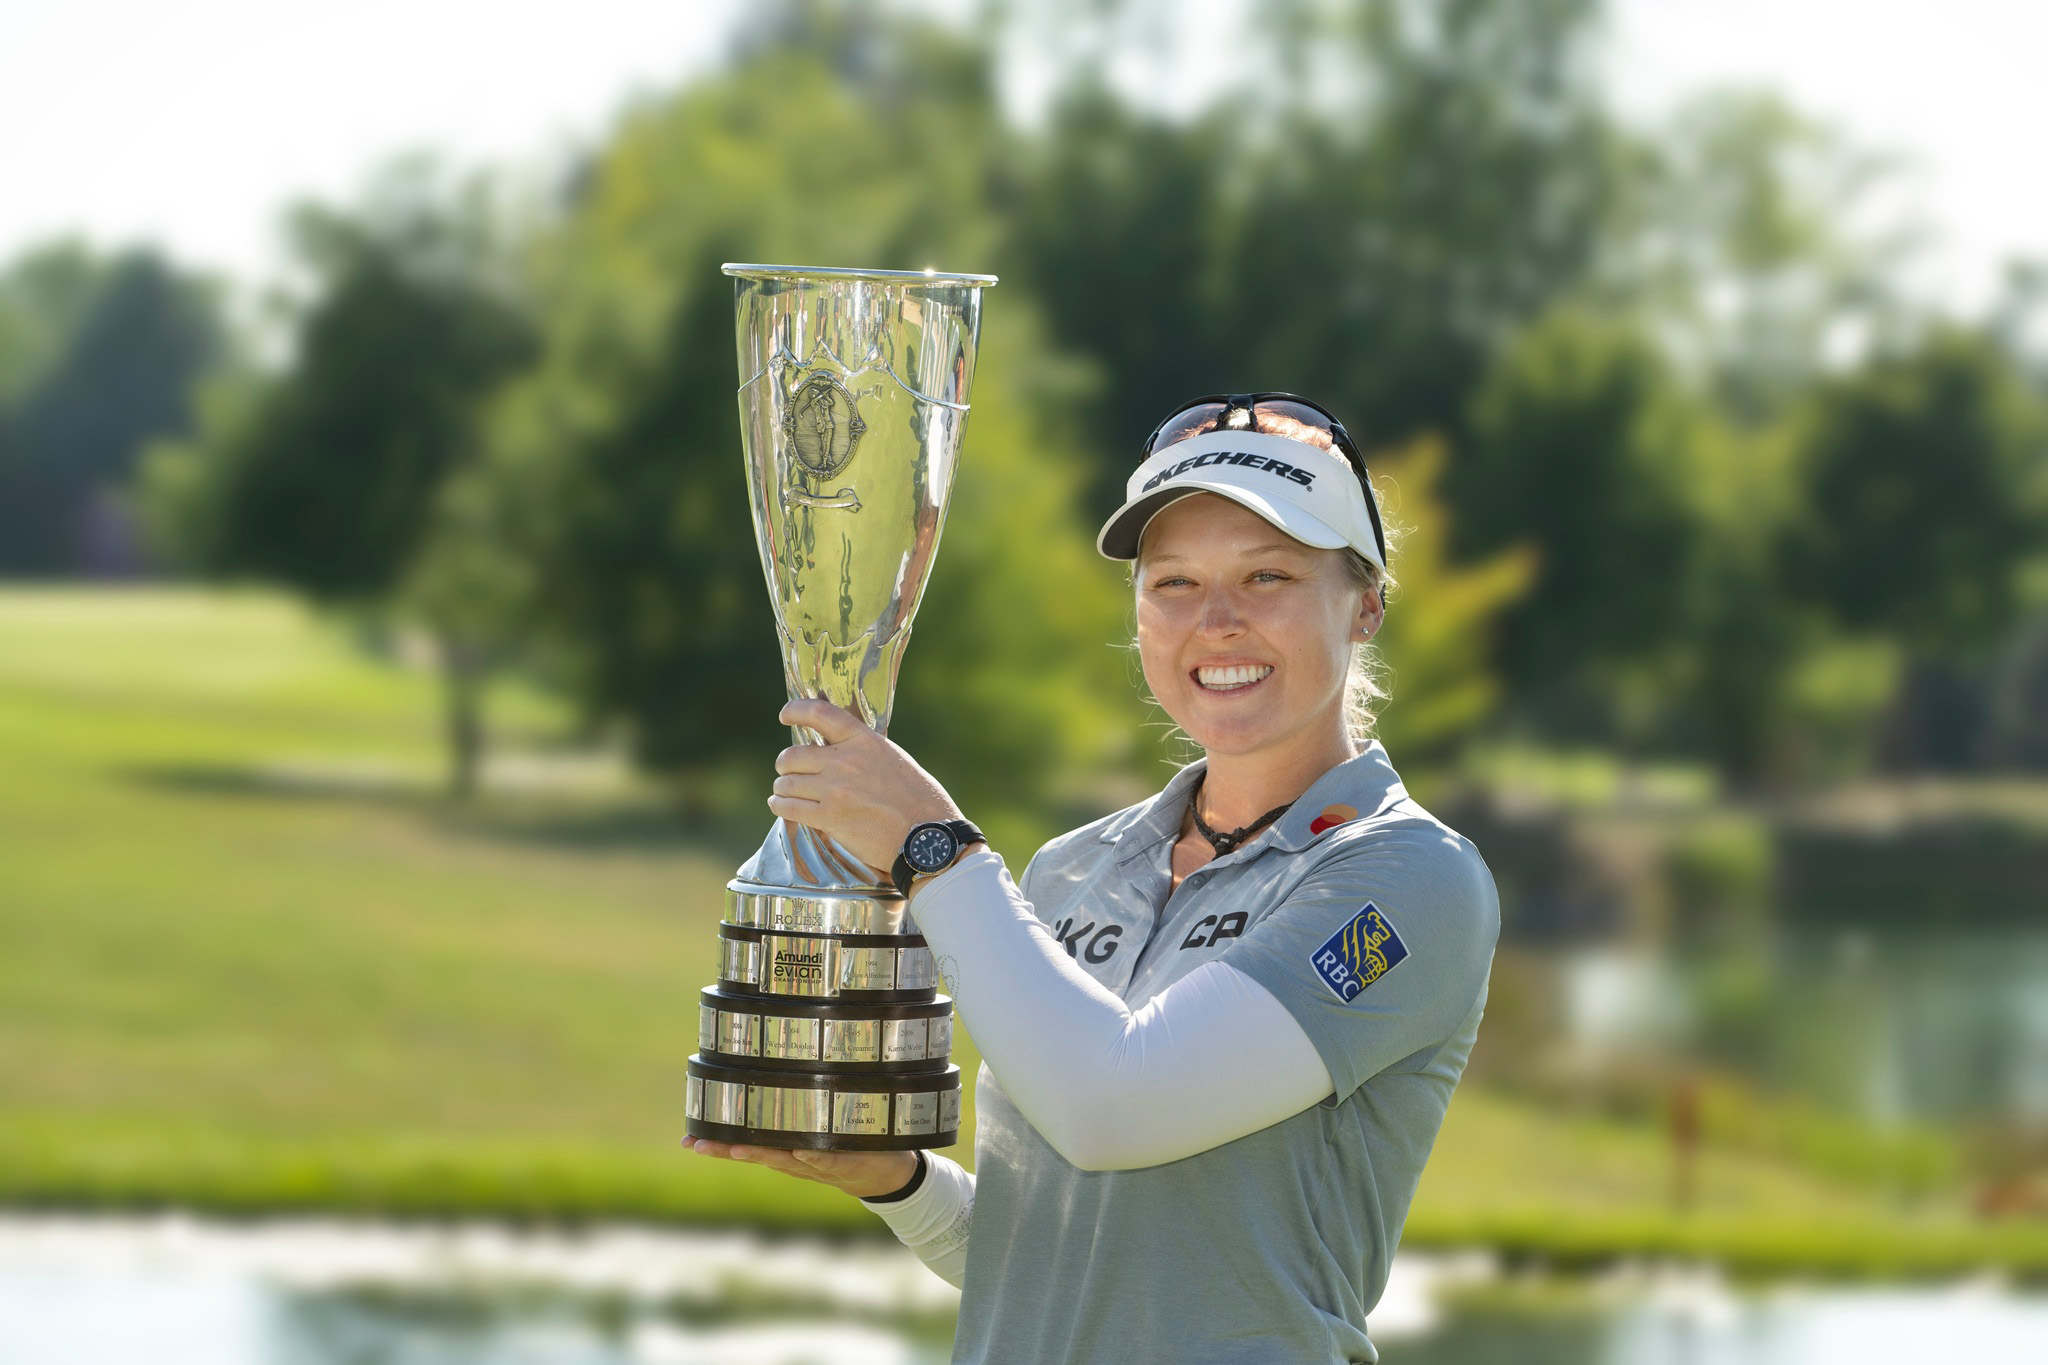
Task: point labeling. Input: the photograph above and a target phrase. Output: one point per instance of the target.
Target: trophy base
(818, 1142)
(867, 1112)
(825, 1030)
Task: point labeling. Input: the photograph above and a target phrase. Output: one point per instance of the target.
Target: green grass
(249, 959)
(251, 962)
(1572, 1191)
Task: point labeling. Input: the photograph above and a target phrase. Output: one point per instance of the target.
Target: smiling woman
(1242, 635)
(1221, 1027)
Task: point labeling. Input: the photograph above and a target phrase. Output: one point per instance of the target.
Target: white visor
(1308, 492)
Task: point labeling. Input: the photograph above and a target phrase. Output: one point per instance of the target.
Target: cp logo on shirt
(1359, 954)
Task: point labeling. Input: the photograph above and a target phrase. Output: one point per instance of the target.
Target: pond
(1942, 1027)
(172, 1290)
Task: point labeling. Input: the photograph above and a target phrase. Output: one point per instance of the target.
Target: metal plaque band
(895, 967)
(761, 907)
(869, 1112)
(833, 1036)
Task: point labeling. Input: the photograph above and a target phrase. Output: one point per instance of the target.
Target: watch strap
(963, 832)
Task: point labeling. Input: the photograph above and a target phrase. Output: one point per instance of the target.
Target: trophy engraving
(823, 425)
(825, 1028)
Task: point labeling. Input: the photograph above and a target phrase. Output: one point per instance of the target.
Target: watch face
(930, 847)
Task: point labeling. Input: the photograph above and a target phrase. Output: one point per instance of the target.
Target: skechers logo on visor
(1237, 457)
(1359, 954)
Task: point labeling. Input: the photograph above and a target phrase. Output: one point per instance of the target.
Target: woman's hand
(861, 1174)
(857, 787)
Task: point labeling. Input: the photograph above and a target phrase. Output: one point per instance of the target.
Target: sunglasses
(1276, 414)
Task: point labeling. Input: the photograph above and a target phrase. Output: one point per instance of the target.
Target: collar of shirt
(1363, 786)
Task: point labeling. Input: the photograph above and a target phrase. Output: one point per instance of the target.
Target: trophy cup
(826, 1028)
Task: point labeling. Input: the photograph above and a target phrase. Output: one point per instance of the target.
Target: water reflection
(343, 1329)
(172, 1320)
(75, 1292)
(1836, 1327)
(1888, 1026)
(171, 1290)
(1666, 1317)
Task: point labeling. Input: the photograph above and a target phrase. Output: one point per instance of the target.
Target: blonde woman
(1221, 1027)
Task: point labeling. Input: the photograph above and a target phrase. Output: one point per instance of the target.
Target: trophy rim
(749, 271)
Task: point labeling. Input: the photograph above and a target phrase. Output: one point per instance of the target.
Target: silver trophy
(826, 1028)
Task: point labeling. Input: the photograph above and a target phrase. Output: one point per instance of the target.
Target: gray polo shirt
(1374, 924)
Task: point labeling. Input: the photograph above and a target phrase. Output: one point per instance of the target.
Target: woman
(1215, 1061)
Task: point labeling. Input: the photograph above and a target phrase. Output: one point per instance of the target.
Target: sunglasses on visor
(1282, 414)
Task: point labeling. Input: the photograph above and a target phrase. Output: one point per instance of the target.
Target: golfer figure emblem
(822, 424)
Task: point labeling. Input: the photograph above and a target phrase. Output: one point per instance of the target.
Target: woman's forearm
(1211, 1059)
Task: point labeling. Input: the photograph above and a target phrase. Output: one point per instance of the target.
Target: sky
(1954, 86)
(193, 125)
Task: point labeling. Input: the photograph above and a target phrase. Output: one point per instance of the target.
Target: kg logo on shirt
(1359, 954)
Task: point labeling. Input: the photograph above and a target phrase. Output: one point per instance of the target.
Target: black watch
(931, 847)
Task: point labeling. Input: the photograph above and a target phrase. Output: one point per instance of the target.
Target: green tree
(1922, 496)
(1921, 476)
(1579, 451)
(102, 359)
(1409, 185)
(45, 294)
(1742, 244)
(355, 477)
(831, 140)
(1438, 641)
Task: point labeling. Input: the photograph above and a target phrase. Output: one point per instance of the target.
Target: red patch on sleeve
(1331, 817)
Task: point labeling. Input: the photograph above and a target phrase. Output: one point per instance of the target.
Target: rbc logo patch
(1359, 954)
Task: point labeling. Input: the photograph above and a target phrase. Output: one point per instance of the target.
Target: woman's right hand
(864, 1175)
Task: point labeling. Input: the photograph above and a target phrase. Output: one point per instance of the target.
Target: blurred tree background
(98, 357)
(1625, 345)
(1711, 540)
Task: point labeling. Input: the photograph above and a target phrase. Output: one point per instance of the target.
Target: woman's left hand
(858, 788)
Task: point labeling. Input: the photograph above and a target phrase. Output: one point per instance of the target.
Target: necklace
(1224, 843)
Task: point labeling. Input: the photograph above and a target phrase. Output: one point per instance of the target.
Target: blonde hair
(1369, 683)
